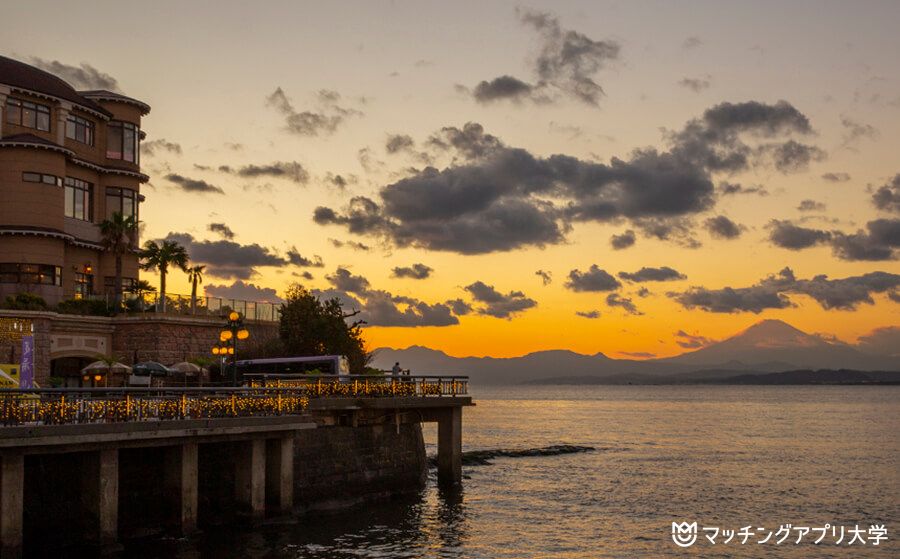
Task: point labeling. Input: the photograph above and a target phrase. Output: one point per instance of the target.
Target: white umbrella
(104, 366)
(185, 367)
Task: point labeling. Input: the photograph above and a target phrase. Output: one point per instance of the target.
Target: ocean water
(723, 456)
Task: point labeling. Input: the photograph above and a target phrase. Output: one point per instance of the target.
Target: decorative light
(215, 350)
(97, 378)
(243, 334)
(225, 335)
(231, 350)
(234, 316)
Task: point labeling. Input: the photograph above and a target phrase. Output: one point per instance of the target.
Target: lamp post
(227, 349)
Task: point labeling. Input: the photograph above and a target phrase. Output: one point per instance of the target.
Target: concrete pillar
(62, 114)
(100, 495)
(250, 477)
(4, 93)
(280, 474)
(181, 483)
(12, 489)
(450, 446)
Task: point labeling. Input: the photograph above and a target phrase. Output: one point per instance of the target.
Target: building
(68, 160)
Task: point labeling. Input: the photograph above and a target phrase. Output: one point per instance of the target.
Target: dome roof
(20, 75)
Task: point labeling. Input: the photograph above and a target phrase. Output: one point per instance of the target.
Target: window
(25, 113)
(109, 283)
(42, 178)
(122, 141)
(43, 274)
(80, 130)
(84, 285)
(79, 199)
(123, 201)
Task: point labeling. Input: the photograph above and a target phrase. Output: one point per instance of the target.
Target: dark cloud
(297, 259)
(836, 177)
(881, 341)
(344, 280)
(399, 142)
(242, 290)
(470, 141)
(588, 314)
(792, 156)
(721, 227)
(625, 303)
(496, 304)
(546, 277)
(459, 307)
(691, 341)
(887, 197)
(311, 123)
(638, 354)
(83, 77)
(811, 206)
(222, 229)
(855, 131)
(305, 274)
(691, 42)
(154, 147)
(695, 84)
(772, 293)
(340, 181)
(416, 271)
(623, 241)
(664, 273)
(643, 292)
(349, 244)
(594, 279)
(729, 188)
(502, 88)
(227, 259)
(784, 234)
(193, 185)
(879, 241)
(290, 170)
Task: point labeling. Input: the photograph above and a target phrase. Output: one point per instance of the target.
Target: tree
(195, 276)
(140, 288)
(159, 257)
(310, 326)
(117, 234)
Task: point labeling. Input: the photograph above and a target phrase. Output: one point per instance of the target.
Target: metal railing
(185, 305)
(265, 395)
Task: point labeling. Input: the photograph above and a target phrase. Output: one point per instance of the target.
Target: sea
(761, 463)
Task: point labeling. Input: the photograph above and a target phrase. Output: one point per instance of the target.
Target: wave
(484, 457)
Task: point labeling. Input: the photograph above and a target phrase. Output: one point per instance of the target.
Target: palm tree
(195, 276)
(158, 257)
(140, 289)
(118, 238)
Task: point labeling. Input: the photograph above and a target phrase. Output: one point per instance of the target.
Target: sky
(498, 178)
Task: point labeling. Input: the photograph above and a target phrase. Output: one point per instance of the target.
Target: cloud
(416, 271)
(83, 77)
(792, 156)
(344, 280)
(623, 241)
(154, 147)
(695, 84)
(500, 198)
(773, 293)
(193, 185)
(664, 273)
(399, 142)
(290, 170)
(887, 197)
(222, 229)
(836, 177)
(502, 88)
(296, 259)
(691, 42)
(243, 291)
(594, 279)
(691, 341)
(226, 258)
(459, 307)
(496, 304)
(855, 131)
(721, 227)
(349, 244)
(626, 304)
(594, 314)
(881, 341)
(784, 234)
(340, 181)
(546, 277)
(729, 188)
(323, 122)
(638, 354)
(811, 206)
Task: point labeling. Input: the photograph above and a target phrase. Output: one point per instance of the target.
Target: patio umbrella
(104, 366)
(186, 368)
(150, 368)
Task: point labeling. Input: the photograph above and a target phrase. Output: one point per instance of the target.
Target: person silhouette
(396, 370)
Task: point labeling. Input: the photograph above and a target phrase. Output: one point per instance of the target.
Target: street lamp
(227, 349)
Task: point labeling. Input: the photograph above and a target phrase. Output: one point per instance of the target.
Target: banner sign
(26, 372)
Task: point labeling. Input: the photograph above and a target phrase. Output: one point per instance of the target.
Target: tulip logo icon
(684, 534)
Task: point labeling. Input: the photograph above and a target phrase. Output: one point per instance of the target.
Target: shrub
(89, 307)
(25, 302)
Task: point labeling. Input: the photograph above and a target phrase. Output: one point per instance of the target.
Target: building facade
(68, 160)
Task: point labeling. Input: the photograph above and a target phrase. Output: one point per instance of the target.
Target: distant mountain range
(769, 346)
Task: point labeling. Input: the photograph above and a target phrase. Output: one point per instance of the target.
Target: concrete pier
(12, 486)
(250, 477)
(280, 475)
(100, 495)
(181, 485)
(450, 446)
